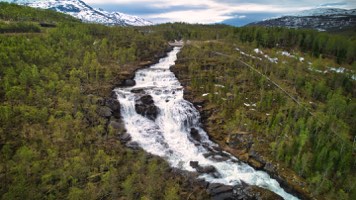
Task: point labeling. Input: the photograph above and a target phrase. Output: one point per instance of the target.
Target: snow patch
(258, 51)
(220, 86)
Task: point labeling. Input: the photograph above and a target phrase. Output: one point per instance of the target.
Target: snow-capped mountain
(322, 19)
(324, 12)
(86, 13)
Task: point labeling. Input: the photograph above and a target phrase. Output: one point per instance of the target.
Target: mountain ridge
(79, 9)
(321, 19)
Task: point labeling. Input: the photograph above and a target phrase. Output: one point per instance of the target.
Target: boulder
(252, 192)
(217, 188)
(204, 169)
(113, 94)
(145, 106)
(125, 137)
(194, 164)
(147, 99)
(104, 111)
(129, 83)
(220, 158)
(133, 145)
(137, 91)
(195, 134)
(220, 192)
(113, 104)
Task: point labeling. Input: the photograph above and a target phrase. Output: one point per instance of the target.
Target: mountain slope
(322, 19)
(86, 13)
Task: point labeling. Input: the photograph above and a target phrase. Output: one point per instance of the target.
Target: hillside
(55, 109)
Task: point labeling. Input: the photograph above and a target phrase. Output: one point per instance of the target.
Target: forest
(54, 143)
(311, 130)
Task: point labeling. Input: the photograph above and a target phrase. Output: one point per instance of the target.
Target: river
(176, 133)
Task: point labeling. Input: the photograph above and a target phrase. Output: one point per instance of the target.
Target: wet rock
(137, 91)
(194, 164)
(195, 134)
(204, 169)
(104, 111)
(129, 83)
(113, 104)
(145, 106)
(220, 192)
(133, 145)
(206, 155)
(147, 99)
(217, 148)
(217, 188)
(125, 137)
(113, 95)
(219, 158)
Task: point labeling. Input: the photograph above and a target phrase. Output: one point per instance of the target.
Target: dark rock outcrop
(194, 164)
(242, 191)
(125, 137)
(133, 145)
(129, 83)
(195, 134)
(205, 169)
(220, 192)
(145, 106)
(114, 105)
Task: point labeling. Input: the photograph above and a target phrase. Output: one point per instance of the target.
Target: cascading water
(169, 134)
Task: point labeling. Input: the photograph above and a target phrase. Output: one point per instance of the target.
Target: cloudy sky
(233, 12)
(236, 12)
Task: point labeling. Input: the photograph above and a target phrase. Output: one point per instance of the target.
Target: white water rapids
(169, 135)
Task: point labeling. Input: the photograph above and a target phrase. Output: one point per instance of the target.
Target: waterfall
(175, 132)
